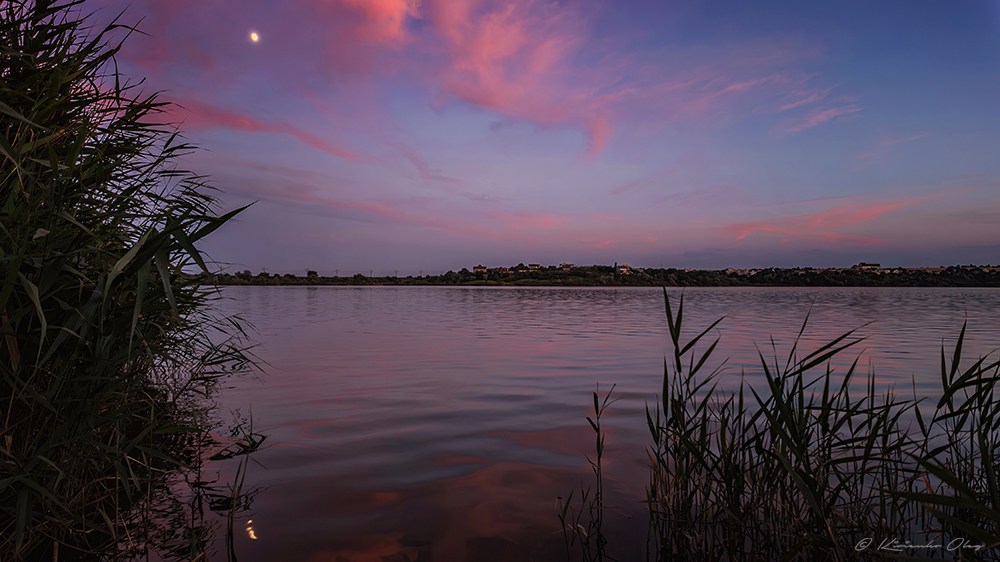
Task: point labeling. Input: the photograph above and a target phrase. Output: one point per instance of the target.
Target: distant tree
(312, 273)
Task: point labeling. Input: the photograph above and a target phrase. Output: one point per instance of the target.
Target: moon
(254, 37)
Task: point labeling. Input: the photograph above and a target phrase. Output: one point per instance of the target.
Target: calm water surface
(441, 423)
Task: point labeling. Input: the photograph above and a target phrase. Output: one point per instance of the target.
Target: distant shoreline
(609, 276)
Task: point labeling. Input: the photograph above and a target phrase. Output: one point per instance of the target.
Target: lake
(442, 423)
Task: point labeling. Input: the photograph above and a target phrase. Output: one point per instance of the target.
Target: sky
(385, 136)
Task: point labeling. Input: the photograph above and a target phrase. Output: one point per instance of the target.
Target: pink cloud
(516, 59)
(880, 155)
(394, 213)
(805, 98)
(420, 212)
(384, 20)
(713, 86)
(205, 116)
(820, 116)
(370, 120)
(823, 225)
(422, 168)
(527, 220)
(631, 185)
(360, 37)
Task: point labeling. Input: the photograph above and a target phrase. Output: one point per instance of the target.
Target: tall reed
(593, 543)
(104, 330)
(808, 470)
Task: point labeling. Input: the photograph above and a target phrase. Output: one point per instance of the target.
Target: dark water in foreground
(442, 423)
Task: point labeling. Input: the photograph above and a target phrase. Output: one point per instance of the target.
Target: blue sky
(439, 134)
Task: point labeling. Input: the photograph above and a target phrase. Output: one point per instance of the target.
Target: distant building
(566, 266)
(865, 266)
(624, 268)
(479, 269)
(534, 266)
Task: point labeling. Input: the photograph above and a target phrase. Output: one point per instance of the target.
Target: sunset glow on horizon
(439, 134)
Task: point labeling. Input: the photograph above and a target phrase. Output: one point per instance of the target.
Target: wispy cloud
(632, 185)
(534, 60)
(881, 154)
(200, 115)
(805, 97)
(820, 116)
(383, 212)
(524, 220)
(516, 58)
(821, 226)
(422, 168)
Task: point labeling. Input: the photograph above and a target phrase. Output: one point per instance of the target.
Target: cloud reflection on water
(400, 433)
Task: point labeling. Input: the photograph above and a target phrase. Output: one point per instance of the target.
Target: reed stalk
(592, 540)
(105, 327)
(808, 468)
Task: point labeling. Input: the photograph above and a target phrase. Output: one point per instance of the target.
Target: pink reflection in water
(451, 460)
(501, 511)
(442, 423)
(570, 440)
